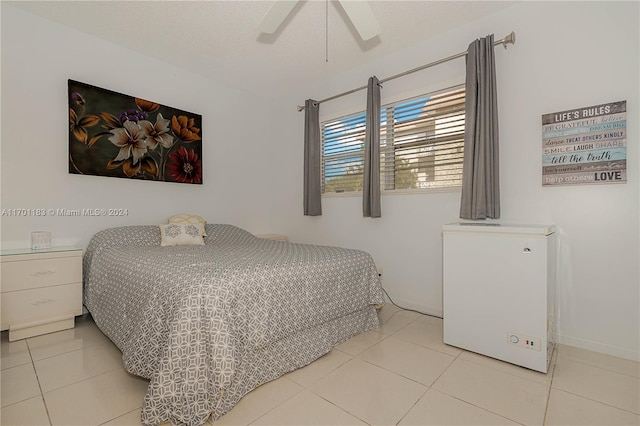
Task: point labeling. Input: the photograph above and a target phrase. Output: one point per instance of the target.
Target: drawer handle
(43, 302)
(42, 273)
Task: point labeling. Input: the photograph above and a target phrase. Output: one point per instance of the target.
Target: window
(421, 145)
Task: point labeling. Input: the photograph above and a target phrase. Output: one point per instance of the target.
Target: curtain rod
(509, 39)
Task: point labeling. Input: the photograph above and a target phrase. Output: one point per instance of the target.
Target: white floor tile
(414, 362)
(132, 418)
(378, 377)
(567, 409)
(518, 399)
(427, 332)
(387, 311)
(438, 409)
(595, 359)
(260, 401)
(71, 367)
(509, 368)
(371, 393)
(307, 408)
(96, 400)
(18, 384)
(358, 344)
(430, 319)
(30, 412)
(618, 390)
(319, 368)
(396, 321)
(13, 353)
(83, 335)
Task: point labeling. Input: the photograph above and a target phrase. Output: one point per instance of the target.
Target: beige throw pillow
(174, 234)
(189, 219)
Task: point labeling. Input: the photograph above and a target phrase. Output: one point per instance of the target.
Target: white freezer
(499, 291)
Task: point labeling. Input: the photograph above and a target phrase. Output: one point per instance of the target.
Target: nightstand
(41, 290)
(277, 237)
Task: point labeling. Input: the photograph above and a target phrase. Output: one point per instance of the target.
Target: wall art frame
(117, 135)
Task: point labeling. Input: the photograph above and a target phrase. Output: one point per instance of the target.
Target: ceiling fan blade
(275, 16)
(362, 18)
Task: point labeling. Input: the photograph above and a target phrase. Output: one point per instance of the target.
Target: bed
(208, 323)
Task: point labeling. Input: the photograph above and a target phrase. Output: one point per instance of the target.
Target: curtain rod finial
(300, 108)
(509, 39)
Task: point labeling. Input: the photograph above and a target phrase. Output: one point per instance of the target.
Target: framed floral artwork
(116, 135)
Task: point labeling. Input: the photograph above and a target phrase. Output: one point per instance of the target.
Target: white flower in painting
(131, 141)
(158, 133)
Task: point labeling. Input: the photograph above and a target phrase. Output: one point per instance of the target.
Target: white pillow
(189, 219)
(174, 234)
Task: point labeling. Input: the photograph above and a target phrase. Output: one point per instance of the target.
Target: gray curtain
(371, 185)
(480, 174)
(312, 175)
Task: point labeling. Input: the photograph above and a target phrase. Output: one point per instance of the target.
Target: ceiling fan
(359, 13)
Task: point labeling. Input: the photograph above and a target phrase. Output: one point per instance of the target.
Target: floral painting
(116, 135)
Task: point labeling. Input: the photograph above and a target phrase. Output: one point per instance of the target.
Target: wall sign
(585, 145)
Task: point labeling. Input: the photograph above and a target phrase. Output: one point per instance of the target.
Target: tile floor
(401, 374)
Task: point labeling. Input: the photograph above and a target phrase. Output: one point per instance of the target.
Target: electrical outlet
(517, 339)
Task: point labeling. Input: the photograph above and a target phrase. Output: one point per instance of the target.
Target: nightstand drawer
(35, 273)
(28, 306)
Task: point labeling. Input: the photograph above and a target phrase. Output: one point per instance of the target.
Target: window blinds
(421, 145)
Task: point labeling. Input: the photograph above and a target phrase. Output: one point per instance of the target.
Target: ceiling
(219, 39)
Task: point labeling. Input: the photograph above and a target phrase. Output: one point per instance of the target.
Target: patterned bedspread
(188, 317)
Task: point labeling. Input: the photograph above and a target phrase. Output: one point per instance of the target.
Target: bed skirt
(260, 366)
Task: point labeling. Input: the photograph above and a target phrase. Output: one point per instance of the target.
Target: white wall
(38, 56)
(567, 55)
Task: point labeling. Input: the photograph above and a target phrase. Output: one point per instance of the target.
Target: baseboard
(631, 354)
(565, 340)
(430, 310)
